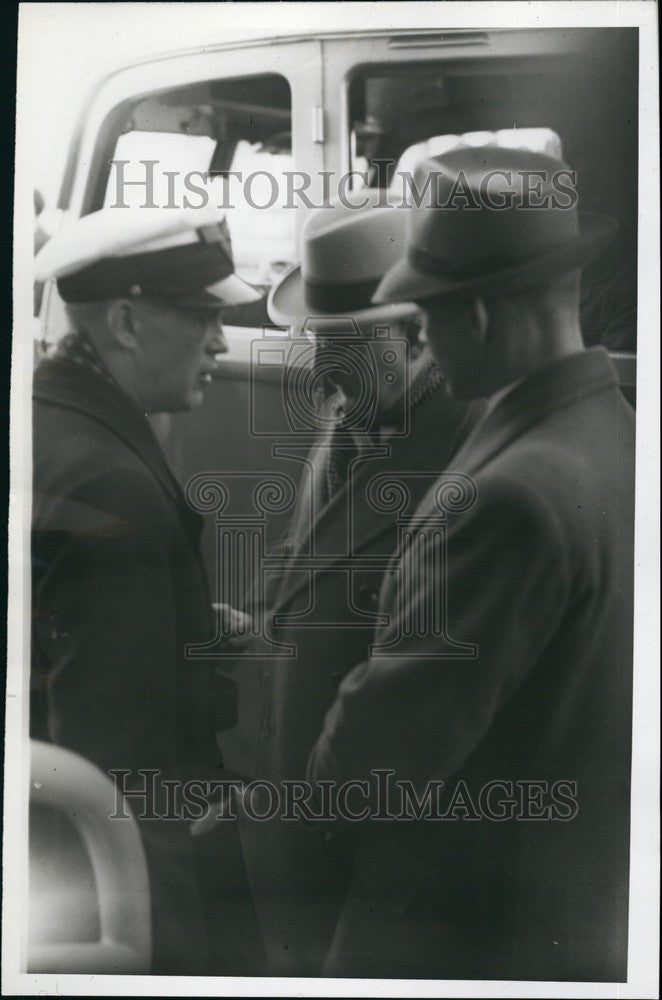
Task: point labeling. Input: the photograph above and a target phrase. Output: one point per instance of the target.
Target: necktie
(342, 450)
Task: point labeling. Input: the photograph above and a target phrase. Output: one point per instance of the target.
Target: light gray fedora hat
(347, 248)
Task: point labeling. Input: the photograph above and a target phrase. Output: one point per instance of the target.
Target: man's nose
(217, 342)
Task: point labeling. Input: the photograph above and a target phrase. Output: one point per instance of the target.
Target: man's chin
(189, 402)
(465, 389)
(194, 400)
(349, 393)
(330, 387)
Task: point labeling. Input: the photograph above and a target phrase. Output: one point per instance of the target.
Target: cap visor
(230, 291)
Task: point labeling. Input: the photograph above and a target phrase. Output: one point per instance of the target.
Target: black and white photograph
(333, 635)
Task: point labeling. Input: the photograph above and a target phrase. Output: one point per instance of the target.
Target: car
(274, 127)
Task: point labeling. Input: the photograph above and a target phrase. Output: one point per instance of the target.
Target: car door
(407, 94)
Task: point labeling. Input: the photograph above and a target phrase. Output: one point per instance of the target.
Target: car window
(399, 114)
(228, 142)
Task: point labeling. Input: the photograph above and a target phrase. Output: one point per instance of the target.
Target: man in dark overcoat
(118, 585)
(513, 730)
(385, 429)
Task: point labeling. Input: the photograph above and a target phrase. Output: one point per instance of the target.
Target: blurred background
(66, 48)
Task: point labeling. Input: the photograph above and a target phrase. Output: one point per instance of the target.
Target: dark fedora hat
(492, 219)
(346, 248)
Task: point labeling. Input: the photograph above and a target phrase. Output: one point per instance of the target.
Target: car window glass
(401, 114)
(228, 142)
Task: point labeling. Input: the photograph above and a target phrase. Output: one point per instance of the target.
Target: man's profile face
(460, 359)
(178, 348)
(369, 368)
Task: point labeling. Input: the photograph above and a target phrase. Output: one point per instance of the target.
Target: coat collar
(438, 425)
(555, 385)
(68, 385)
(552, 387)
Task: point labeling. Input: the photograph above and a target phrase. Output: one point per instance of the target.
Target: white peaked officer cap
(181, 255)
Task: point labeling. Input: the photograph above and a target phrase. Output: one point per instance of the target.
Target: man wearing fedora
(118, 585)
(520, 870)
(385, 413)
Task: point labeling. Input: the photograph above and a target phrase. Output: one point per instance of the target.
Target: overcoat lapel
(558, 384)
(59, 383)
(350, 523)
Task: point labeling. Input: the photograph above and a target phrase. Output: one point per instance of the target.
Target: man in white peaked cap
(118, 586)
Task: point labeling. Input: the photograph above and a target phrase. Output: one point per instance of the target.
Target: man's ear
(122, 323)
(415, 333)
(479, 322)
